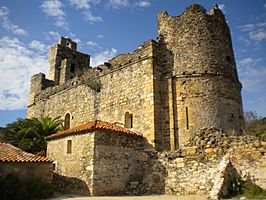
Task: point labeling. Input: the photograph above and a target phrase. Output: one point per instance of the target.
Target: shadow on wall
(165, 98)
(70, 185)
(232, 183)
(154, 172)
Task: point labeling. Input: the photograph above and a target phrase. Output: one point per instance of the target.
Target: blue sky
(105, 28)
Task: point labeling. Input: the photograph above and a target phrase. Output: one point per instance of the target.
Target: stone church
(165, 118)
(166, 89)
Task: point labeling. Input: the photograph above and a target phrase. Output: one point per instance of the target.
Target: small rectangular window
(69, 146)
(187, 122)
(128, 120)
(72, 68)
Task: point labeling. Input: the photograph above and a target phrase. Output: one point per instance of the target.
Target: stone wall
(250, 162)
(77, 164)
(172, 88)
(43, 171)
(125, 87)
(118, 161)
(203, 89)
(66, 62)
(105, 161)
(112, 163)
(208, 165)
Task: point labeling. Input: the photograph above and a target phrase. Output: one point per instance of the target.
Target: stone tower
(168, 89)
(66, 62)
(199, 64)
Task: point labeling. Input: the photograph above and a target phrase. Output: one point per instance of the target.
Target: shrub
(11, 187)
(94, 84)
(251, 190)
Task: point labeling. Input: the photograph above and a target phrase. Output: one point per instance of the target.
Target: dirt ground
(151, 197)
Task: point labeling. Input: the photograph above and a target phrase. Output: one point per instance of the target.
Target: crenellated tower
(66, 62)
(199, 64)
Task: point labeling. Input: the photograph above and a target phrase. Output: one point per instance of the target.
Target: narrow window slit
(187, 120)
(69, 146)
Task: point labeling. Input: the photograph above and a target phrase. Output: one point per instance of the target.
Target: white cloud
(143, 3)
(259, 36)
(18, 63)
(252, 74)
(36, 45)
(80, 4)
(53, 8)
(253, 78)
(85, 5)
(102, 57)
(256, 31)
(8, 25)
(264, 5)
(88, 16)
(247, 27)
(52, 35)
(89, 46)
(100, 36)
(222, 7)
(246, 61)
(116, 4)
(245, 40)
(91, 43)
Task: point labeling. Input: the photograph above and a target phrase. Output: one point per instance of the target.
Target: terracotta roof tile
(10, 153)
(92, 125)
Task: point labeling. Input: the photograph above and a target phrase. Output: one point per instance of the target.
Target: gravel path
(151, 197)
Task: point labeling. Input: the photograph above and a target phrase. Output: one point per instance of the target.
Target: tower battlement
(66, 62)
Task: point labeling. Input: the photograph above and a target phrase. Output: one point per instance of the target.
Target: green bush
(253, 191)
(11, 187)
(94, 84)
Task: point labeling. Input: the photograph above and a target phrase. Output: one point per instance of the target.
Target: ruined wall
(250, 161)
(43, 171)
(197, 50)
(211, 162)
(126, 86)
(76, 166)
(118, 161)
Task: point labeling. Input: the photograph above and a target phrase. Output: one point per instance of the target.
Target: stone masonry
(166, 118)
(111, 160)
(97, 160)
(167, 89)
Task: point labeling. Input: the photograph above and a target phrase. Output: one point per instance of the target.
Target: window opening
(69, 146)
(67, 121)
(72, 68)
(187, 121)
(128, 120)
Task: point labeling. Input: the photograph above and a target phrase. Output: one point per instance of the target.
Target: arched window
(67, 121)
(128, 120)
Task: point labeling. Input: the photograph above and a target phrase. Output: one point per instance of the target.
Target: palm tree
(47, 126)
(29, 134)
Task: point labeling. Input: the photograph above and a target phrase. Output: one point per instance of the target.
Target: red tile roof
(10, 153)
(92, 125)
